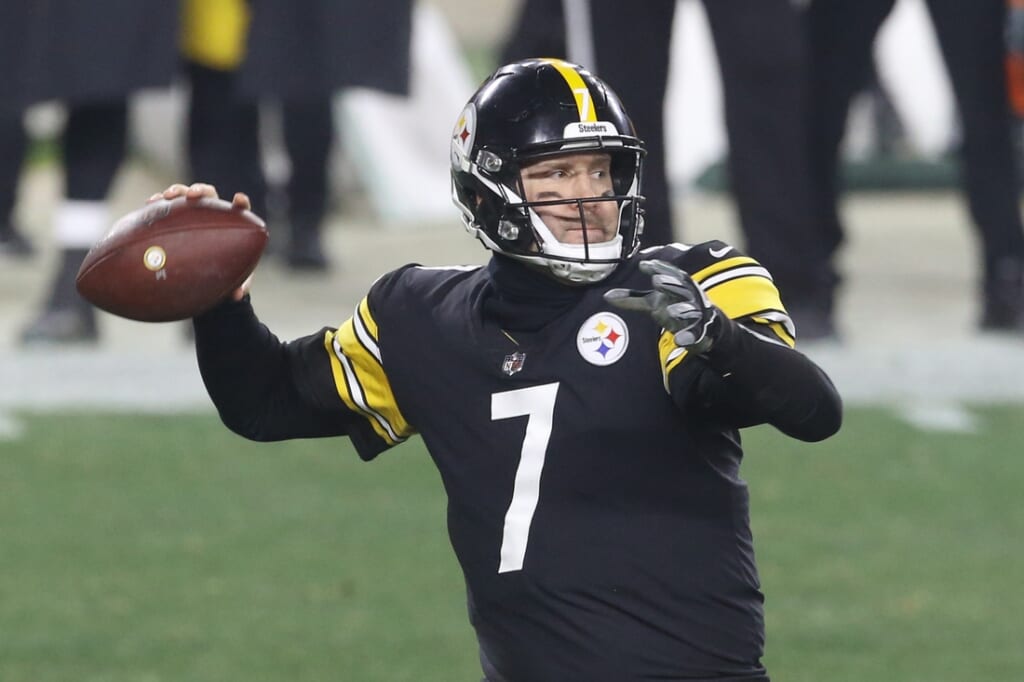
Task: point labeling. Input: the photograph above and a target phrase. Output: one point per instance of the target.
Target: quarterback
(581, 399)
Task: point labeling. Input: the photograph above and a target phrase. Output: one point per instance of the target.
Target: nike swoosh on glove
(675, 302)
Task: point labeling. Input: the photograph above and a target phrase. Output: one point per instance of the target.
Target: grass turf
(165, 548)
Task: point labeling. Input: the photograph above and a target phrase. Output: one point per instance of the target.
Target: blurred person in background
(89, 57)
(841, 35)
(762, 59)
(223, 125)
(15, 60)
(1015, 77)
(298, 54)
(13, 145)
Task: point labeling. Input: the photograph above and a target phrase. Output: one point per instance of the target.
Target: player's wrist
(725, 340)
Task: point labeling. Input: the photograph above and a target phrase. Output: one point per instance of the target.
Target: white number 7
(583, 102)
(538, 404)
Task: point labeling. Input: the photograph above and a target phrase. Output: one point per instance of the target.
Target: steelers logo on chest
(602, 340)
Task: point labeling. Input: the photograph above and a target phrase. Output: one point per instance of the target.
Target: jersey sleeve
(329, 383)
(753, 374)
(359, 376)
(738, 285)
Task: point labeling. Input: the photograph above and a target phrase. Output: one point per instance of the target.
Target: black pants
(12, 154)
(762, 60)
(223, 136)
(224, 144)
(94, 144)
(970, 34)
(308, 137)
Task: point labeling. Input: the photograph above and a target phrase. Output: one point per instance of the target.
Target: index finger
(241, 201)
(630, 299)
(654, 266)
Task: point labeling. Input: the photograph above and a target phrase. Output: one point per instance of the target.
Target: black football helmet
(530, 110)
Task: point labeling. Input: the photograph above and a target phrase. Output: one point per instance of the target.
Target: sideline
(986, 369)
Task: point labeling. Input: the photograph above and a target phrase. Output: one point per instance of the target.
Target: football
(172, 260)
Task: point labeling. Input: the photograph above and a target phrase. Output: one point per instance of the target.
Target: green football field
(150, 548)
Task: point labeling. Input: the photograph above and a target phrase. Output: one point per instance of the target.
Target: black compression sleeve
(745, 381)
(263, 389)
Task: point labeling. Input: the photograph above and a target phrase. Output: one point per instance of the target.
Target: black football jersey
(601, 526)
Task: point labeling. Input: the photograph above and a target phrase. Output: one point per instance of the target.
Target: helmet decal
(463, 136)
(582, 129)
(584, 100)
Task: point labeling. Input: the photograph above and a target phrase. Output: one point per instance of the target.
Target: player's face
(574, 176)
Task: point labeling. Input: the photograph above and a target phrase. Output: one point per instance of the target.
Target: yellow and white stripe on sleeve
(360, 378)
(741, 288)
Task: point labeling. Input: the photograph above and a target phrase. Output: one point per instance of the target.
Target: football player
(581, 400)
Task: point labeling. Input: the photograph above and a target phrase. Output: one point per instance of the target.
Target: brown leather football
(172, 260)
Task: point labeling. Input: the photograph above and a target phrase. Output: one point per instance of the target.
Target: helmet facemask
(528, 113)
(506, 222)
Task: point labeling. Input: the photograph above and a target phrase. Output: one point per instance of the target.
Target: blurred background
(140, 540)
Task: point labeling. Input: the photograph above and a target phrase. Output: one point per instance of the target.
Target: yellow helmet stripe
(584, 101)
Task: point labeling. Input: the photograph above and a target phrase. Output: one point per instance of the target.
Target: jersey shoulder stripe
(738, 285)
(358, 364)
(741, 292)
(360, 378)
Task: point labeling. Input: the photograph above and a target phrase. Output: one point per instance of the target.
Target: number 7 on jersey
(537, 403)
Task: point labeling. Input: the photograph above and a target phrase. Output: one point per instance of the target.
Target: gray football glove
(676, 302)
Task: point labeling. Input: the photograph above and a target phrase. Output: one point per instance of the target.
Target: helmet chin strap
(580, 268)
(567, 272)
(585, 271)
(581, 273)
(576, 271)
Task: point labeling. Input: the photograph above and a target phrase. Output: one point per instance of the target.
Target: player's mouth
(579, 235)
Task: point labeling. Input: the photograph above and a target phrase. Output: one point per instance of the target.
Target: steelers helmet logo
(463, 136)
(602, 340)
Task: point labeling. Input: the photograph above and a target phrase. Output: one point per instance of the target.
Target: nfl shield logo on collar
(513, 363)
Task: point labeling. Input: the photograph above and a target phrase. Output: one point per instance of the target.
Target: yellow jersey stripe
(779, 330)
(363, 309)
(366, 330)
(584, 101)
(670, 354)
(741, 288)
(358, 338)
(721, 265)
(362, 384)
(745, 296)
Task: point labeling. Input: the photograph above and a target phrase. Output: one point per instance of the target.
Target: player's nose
(586, 186)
